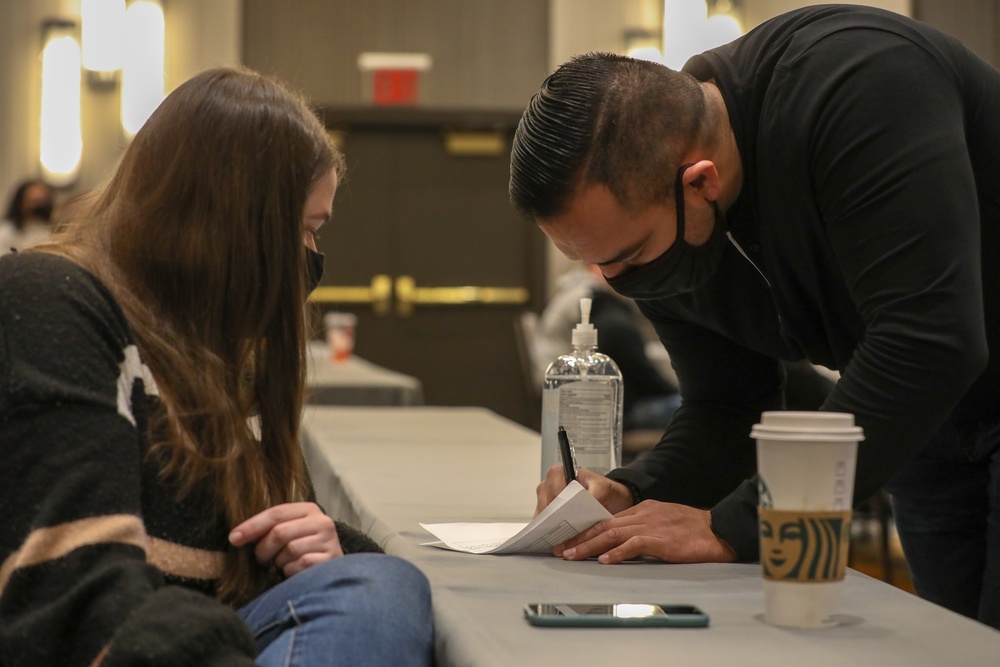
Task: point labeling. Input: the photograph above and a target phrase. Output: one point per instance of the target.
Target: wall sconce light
(142, 74)
(107, 27)
(61, 136)
(683, 22)
(723, 25)
(644, 44)
(693, 26)
(102, 33)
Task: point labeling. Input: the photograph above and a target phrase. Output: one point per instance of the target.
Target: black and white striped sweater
(90, 538)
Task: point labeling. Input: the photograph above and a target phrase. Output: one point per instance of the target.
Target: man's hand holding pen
(559, 476)
(669, 532)
(614, 496)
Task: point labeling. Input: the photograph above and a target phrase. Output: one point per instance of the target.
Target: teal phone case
(692, 618)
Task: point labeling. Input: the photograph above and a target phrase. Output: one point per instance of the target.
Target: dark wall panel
(488, 54)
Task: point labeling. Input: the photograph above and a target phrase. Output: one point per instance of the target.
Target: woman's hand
(291, 536)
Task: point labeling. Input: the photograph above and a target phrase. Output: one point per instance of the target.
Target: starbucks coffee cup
(805, 465)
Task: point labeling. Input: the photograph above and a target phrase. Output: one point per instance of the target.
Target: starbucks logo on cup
(804, 546)
(764, 498)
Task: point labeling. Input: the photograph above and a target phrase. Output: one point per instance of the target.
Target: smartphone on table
(620, 615)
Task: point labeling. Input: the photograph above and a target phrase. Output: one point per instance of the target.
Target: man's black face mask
(682, 267)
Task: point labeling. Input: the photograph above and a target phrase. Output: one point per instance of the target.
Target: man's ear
(704, 178)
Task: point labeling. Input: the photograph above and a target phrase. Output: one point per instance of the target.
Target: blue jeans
(360, 609)
(946, 505)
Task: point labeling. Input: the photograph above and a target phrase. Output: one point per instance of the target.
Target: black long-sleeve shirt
(870, 219)
(619, 337)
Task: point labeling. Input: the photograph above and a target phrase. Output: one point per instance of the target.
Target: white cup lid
(807, 426)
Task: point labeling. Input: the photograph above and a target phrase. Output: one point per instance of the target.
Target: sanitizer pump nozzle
(584, 334)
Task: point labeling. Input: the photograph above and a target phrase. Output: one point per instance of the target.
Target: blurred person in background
(28, 216)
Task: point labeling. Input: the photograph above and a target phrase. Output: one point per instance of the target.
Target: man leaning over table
(826, 187)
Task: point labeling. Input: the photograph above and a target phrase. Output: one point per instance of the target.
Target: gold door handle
(378, 294)
(409, 295)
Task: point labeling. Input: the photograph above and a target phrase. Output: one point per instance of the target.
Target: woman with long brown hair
(151, 385)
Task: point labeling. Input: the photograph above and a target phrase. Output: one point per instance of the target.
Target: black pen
(566, 453)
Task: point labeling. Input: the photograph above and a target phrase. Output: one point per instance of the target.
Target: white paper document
(569, 514)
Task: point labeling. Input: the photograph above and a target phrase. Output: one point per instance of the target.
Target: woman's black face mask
(314, 269)
(682, 267)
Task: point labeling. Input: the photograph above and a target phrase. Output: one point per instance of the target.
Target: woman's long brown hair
(199, 236)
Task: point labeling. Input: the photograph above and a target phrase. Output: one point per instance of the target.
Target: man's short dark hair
(605, 119)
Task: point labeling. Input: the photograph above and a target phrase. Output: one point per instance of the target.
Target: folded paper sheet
(569, 514)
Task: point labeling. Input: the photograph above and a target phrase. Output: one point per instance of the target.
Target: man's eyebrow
(626, 254)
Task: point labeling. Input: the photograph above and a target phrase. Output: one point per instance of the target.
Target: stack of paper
(569, 514)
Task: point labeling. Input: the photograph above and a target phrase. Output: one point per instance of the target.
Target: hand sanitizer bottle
(583, 394)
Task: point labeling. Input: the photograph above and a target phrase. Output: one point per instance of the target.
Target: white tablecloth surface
(387, 470)
(356, 381)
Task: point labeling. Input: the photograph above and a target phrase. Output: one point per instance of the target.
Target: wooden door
(426, 249)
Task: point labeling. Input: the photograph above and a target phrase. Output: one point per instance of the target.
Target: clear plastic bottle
(583, 394)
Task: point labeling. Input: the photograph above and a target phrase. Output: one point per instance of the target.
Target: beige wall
(579, 26)
(758, 11)
(484, 54)
(976, 23)
(20, 44)
(199, 33)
